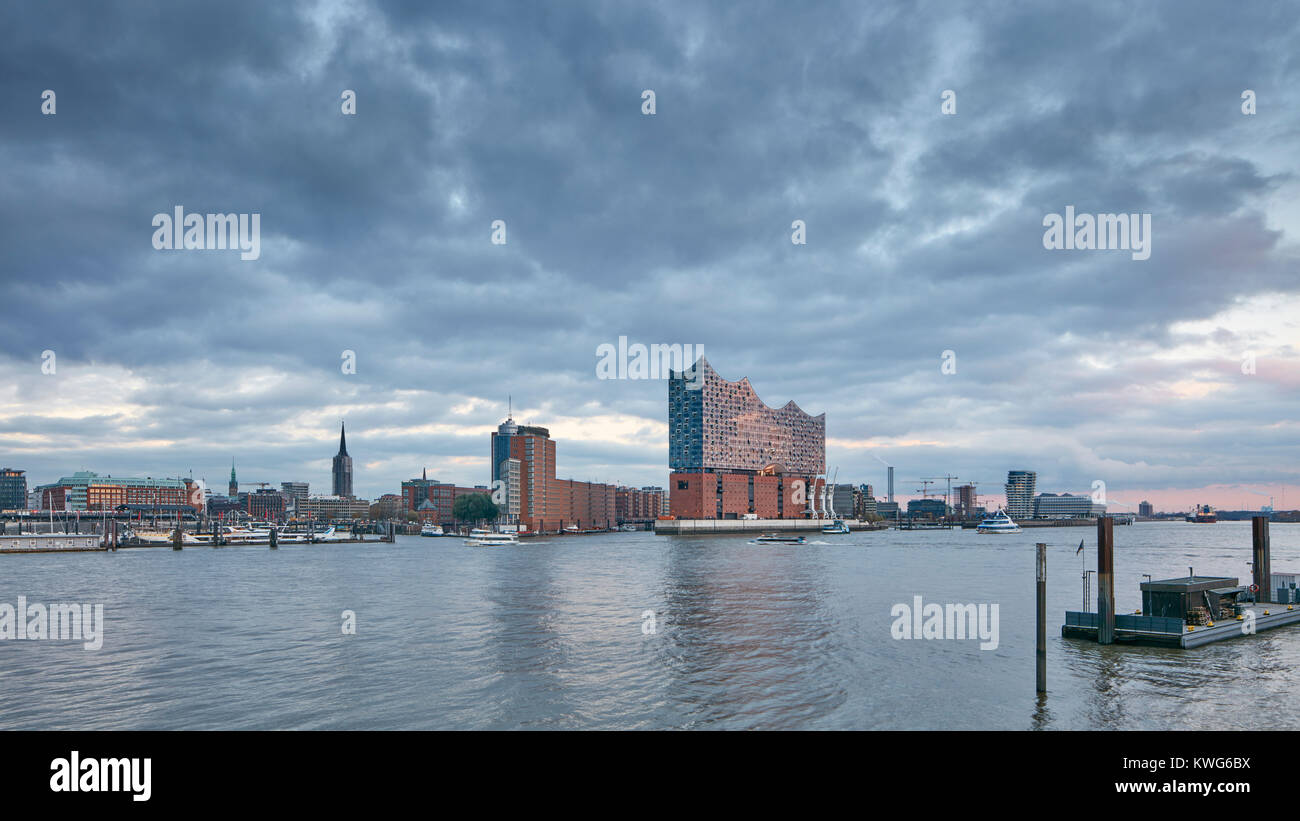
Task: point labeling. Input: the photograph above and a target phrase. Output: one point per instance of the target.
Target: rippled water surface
(549, 635)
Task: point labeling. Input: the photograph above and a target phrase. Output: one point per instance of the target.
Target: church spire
(343, 440)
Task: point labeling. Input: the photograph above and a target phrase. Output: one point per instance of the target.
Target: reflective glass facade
(714, 424)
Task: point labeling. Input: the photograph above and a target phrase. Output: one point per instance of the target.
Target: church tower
(343, 466)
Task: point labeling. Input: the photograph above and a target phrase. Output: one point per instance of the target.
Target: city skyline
(379, 293)
(1222, 497)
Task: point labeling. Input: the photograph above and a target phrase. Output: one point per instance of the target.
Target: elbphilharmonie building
(730, 454)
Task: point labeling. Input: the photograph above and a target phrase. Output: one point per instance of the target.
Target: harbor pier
(1192, 611)
(705, 527)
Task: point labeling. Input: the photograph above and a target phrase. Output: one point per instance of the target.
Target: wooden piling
(275, 540)
(1105, 580)
(1261, 571)
(1041, 651)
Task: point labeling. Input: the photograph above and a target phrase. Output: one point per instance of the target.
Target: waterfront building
(887, 509)
(927, 508)
(1146, 509)
(265, 504)
(334, 507)
(523, 460)
(662, 496)
(842, 500)
(864, 503)
(222, 506)
(13, 489)
(529, 451)
(1020, 493)
(389, 506)
(298, 491)
(87, 490)
(732, 455)
(342, 468)
(638, 504)
(1066, 506)
(964, 502)
(434, 501)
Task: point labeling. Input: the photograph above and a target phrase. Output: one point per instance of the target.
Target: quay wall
(49, 543)
(689, 527)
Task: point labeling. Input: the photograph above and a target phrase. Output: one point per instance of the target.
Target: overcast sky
(924, 234)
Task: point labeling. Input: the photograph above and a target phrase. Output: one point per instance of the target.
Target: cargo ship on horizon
(1203, 514)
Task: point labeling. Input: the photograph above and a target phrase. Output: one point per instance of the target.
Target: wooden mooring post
(1041, 651)
(1105, 580)
(1261, 570)
(275, 538)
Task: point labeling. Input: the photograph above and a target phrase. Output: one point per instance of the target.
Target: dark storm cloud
(924, 231)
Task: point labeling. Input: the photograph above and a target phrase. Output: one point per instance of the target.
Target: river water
(554, 633)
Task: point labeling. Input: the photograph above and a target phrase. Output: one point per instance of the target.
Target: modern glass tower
(1020, 493)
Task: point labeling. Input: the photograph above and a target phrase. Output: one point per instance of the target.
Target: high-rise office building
(1145, 509)
(1020, 493)
(342, 467)
(298, 491)
(964, 506)
(523, 462)
(732, 455)
(13, 489)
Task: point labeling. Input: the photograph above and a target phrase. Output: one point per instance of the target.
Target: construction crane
(947, 496)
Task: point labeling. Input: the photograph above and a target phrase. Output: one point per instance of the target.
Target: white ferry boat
(487, 538)
(431, 530)
(838, 526)
(999, 522)
(779, 538)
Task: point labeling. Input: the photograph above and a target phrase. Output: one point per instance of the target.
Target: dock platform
(702, 527)
(1158, 631)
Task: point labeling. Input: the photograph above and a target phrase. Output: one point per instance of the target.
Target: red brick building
(524, 473)
(732, 455)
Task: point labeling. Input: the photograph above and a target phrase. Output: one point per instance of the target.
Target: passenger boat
(431, 530)
(777, 538)
(487, 538)
(838, 526)
(999, 522)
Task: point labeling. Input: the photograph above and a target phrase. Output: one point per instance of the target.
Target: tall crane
(947, 495)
